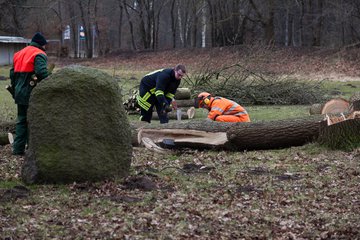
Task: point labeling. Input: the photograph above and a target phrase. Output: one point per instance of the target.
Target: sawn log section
(236, 136)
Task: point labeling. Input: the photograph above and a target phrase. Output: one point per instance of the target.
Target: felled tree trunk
(235, 136)
(341, 135)
(274, 134)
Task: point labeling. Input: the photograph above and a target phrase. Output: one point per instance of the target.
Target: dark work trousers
(146, 114)
(21, 130)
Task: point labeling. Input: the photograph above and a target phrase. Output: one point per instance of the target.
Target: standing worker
(158, 89)
(221, 109)
(29, 67)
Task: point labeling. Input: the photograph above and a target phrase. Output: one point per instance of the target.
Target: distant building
(9, 46)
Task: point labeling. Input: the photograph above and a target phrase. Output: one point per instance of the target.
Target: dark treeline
(114, 25)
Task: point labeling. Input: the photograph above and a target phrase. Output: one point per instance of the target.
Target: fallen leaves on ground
(298, 193)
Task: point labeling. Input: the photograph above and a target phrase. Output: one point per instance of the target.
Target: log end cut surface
(185, 138)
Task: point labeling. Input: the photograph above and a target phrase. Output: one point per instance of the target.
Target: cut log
(185, 114)
(236, 136)
(340, 135)
(5, 129)
(171, 115)
(337, 105)
(191, 112)
(315, 108)
(182, 93)
(185, 103)
(4, 140)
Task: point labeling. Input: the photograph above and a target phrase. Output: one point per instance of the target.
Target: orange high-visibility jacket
(225, 110)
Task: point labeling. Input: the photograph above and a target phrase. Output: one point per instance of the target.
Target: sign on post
(67, 32)
(82, 33)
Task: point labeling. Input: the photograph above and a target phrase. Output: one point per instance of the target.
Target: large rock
(78, 129)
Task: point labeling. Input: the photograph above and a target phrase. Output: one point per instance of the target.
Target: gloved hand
(168, 108)
(174, 104)
(165, 109)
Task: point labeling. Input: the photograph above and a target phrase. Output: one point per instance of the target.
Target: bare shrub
(245, 86)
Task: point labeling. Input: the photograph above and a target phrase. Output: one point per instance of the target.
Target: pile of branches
(245, 86)
(130, 104)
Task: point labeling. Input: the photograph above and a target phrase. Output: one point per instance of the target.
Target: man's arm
(215, 110)
(41, 70)
(161, 83)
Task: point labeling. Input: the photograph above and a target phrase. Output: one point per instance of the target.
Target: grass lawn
(306, 192)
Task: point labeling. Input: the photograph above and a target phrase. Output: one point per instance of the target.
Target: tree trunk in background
(73, 26)
(204, 25)
(87, 12)
(173, 23)
(131, 25)
(194, 24)
(330, 23)
(266, 19)
(317, 33)
(121, 10)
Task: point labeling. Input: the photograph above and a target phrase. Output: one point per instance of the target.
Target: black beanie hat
(39, 39)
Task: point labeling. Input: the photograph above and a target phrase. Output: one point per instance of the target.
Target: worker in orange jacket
(221, 109)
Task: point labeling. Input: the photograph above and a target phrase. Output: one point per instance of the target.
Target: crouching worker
(158, 89)
(221, 109)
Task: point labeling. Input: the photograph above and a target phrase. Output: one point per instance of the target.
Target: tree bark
(236, 136)
(315, 108)
(182, 93)
(274, 134)
(342, 135)
(4, 139)
(185, 102)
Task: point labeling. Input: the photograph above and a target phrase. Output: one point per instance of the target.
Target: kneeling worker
(221, 109)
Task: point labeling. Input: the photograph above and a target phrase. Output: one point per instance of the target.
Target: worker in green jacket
(29, 68)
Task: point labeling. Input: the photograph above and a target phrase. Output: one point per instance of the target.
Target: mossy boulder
(78, 128)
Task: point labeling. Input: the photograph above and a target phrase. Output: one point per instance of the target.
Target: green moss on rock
(79, 130)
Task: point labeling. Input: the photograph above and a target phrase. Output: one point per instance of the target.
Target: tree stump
(343, 135)
(337, 105)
